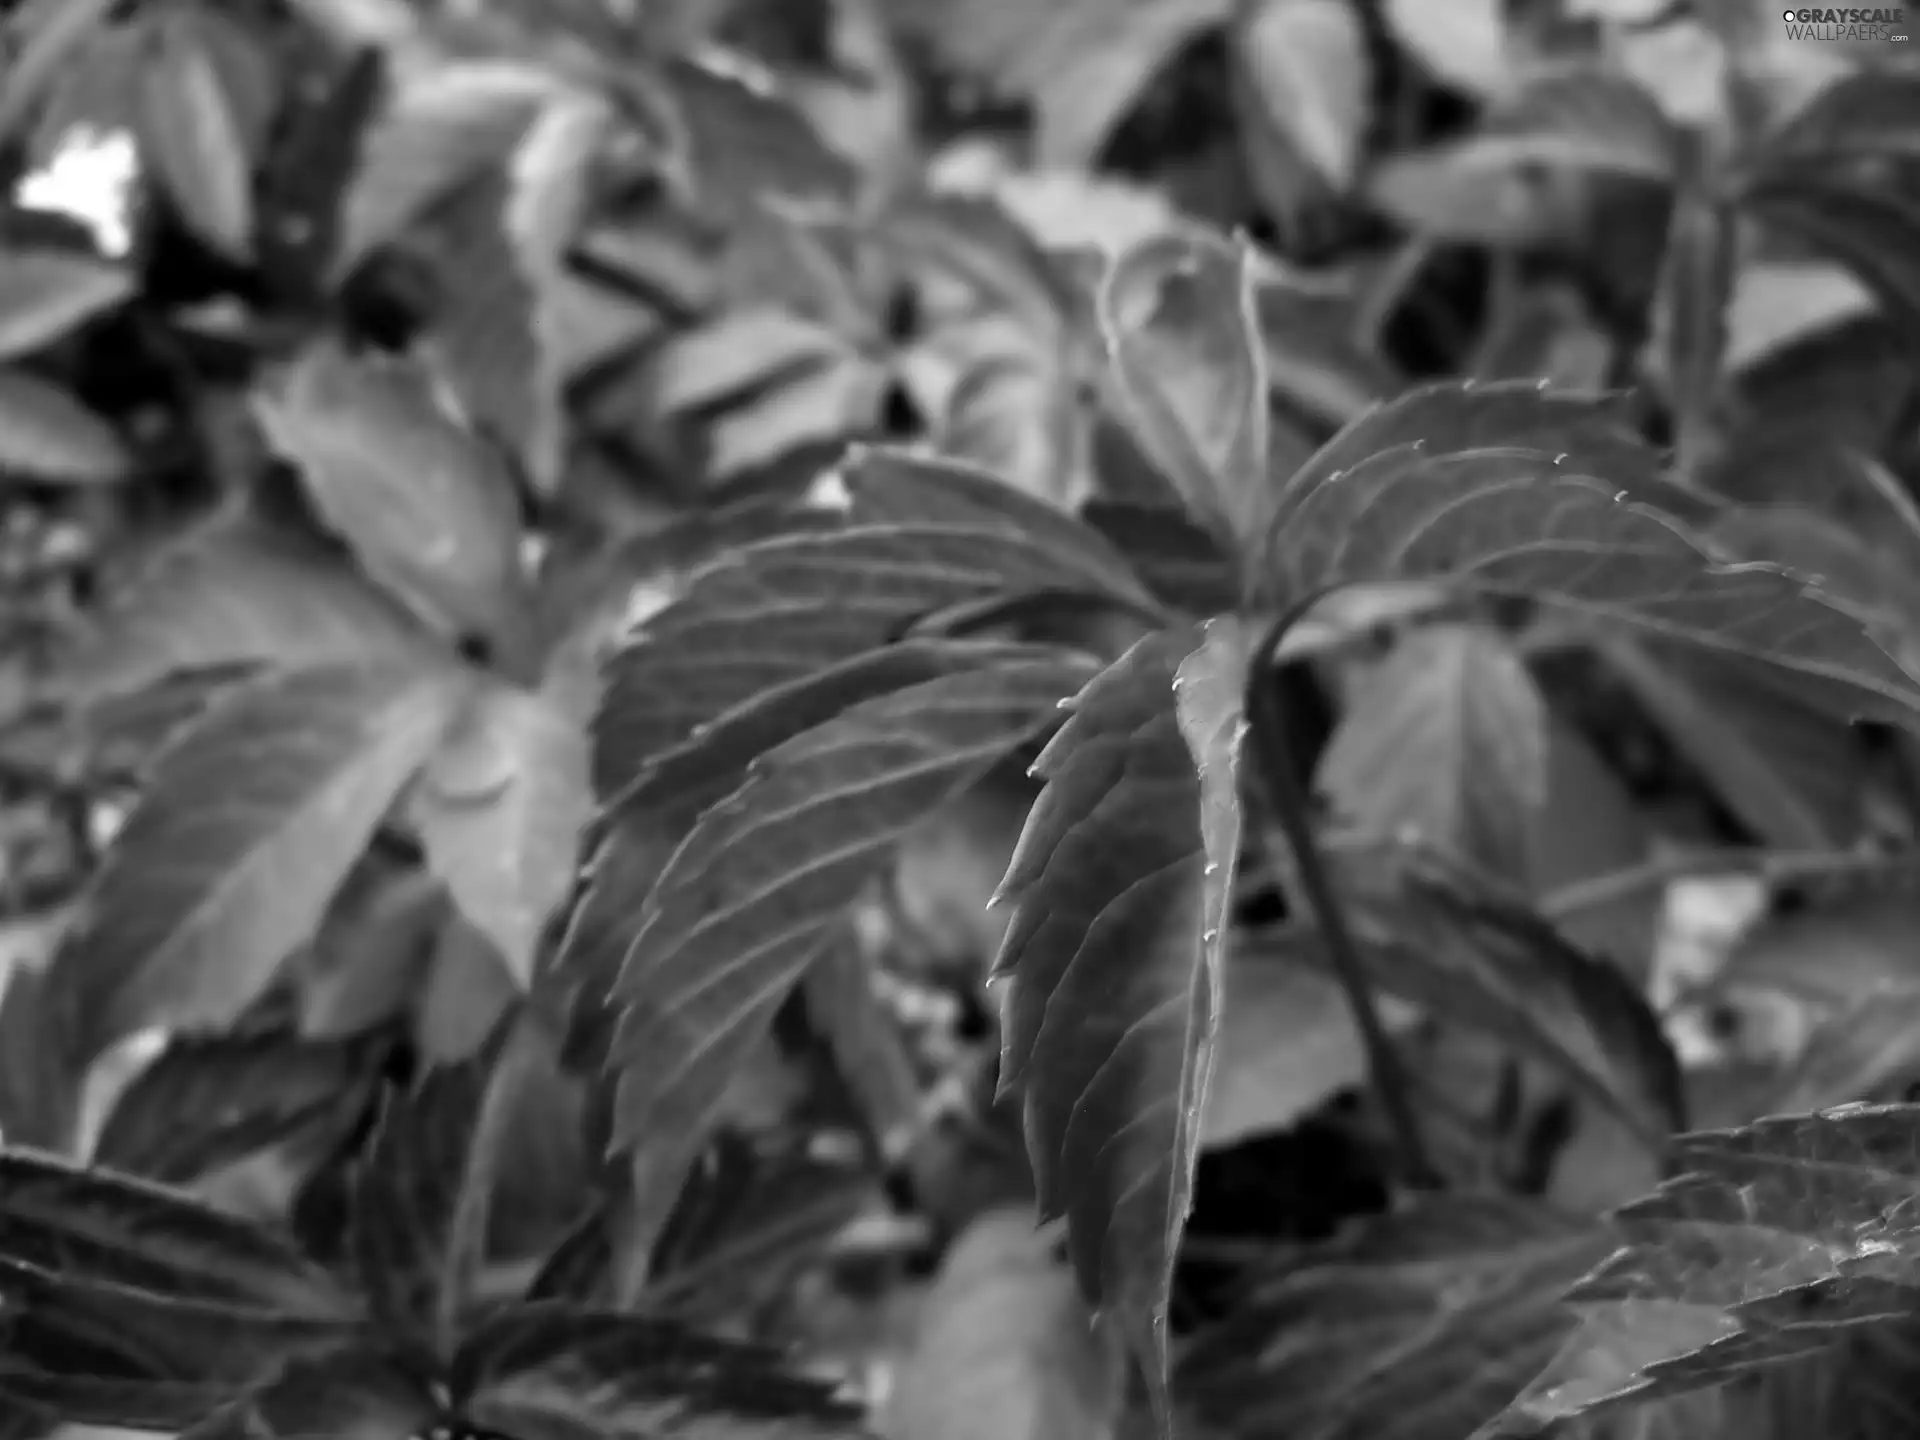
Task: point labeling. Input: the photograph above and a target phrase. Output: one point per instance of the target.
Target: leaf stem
(1274, 764)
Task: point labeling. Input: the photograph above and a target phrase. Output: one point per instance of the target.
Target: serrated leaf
(422, 1192)
(1181, 326)
(550, 1369)
(428, 509)
(192, 134)
(774, 612)
(224, 867)
(46, 434)
(131, 1305)
(761, 880)
(46, 294)
(209, 1101)
(233, 590)
(1115, 949)
(649, 819)
(1547, 511)
(1446, 739)
(1772, 1243)
(1413, 1326)
(1006, 1351)
(502, 806)
(87, 1224)
(1081, 63)
(899, 486)
(1308, 62)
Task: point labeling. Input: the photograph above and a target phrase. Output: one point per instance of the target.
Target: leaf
(41, 38)
(1082, 63)
(131, 1305)
(86, 1224)
(502, 806)
(193, 135)
(924, 538)
(649, 818)
(1180, 562)
(1435, 936)
(502, 244)
(46, 434)
(1454, 191)
(1870, 113)
(1557, 524)
(47, 294)
(233, 590)
(1848, 937)
(1412, 1326)
(209, 1101)
(747, 1220)
(1871, 232)
(1115, 948)
(1771, 1243)
(1447, 740)
(40, 1084)
(1864, 1050)
(757, 886)
(871, 1058)
(442, 127)
(320, 143)
(1832, 177)
(224, 867)
(1777, 761)
(1581, 120)
(1005, 1350)
(553, 1370)
(1187, 356)
(1462, 42)
(423, 1191)
(1310, 68)
(1288, 1044)
(350, 1393)
(429, 511)
(745, 152)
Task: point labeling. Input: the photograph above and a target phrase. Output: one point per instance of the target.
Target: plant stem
(1273, 762)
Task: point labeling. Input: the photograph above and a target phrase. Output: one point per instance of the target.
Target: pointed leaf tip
(1122, 879)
